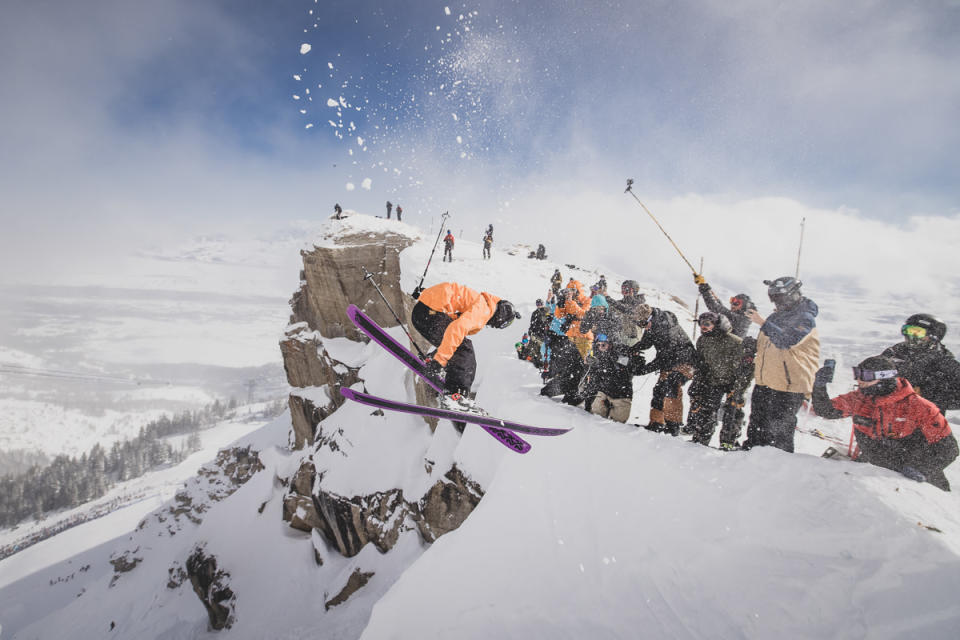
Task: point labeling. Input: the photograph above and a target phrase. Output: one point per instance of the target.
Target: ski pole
(419, 287)
(629, 190)
(800, 248)
(696, 305)
(369, 276)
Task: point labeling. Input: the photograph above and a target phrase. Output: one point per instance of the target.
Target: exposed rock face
(349, 523)
(447, 505)
(357, 580)
(212, 587)
(330, 281)
(333, 279)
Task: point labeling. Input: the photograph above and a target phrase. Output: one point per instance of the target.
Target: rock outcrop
(211, 585)
(331, 280)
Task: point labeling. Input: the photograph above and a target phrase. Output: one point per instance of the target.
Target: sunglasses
(863, 375)
(913, 331)
(603, 345)
(736, 303)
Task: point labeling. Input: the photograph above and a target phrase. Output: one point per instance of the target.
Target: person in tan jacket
(445, 314)
(788, 355)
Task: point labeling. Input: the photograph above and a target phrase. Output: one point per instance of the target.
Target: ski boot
(461, 402)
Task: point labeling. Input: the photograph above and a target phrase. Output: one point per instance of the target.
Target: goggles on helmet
(864, 375)
(913, 331)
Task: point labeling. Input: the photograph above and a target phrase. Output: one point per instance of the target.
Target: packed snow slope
(608, 531)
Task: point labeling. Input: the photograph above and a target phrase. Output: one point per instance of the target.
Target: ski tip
(352, 310)
(349, 394)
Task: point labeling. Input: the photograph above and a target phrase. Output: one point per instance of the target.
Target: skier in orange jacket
(445, 314)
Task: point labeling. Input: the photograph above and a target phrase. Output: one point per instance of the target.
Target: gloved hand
(913, 474)
(699, 279)
(824, 376)
(416, 292)
(434, 369)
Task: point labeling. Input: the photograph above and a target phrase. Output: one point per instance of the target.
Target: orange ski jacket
(470, 310)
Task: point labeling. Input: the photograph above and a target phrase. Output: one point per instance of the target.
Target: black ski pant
(447, 254)
(912, 451)
(461, 369)
(566, 369)
(773, 418)
(705, 402)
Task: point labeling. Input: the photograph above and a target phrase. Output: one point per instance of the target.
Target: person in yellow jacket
(445, 314)
(788, 354)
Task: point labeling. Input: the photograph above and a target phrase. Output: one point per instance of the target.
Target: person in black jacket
(607, 384)
(732, 416)
(923, 360)
(539, 326)
(675, 361)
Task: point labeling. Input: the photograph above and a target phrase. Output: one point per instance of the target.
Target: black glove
(825, 375)
(434, 369)
(416, 292)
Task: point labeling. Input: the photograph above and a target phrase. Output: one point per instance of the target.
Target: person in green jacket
(719, 354)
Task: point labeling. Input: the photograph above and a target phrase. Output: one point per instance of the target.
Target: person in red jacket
(448, 246)
(894, 427)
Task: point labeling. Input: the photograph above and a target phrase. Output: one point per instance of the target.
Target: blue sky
(151, 119)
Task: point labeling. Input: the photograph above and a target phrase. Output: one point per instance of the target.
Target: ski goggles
(913, 331)
(864, 375)
(736, 303)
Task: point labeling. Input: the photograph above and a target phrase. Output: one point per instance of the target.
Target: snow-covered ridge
(603, 531)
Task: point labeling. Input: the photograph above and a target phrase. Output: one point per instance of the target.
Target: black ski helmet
(503, 315)
(720, 322)
(934, 326)
(630, 285)
(784, 291)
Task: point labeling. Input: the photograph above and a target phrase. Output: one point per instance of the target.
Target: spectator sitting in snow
(895, 428)
(607, 384)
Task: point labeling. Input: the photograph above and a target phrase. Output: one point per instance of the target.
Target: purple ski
(502, 430)
(377, 333)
